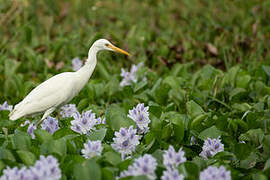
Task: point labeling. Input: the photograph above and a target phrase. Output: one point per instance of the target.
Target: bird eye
(107, 44)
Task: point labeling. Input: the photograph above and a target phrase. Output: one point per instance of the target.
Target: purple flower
(31, 129)
(101, 121)
(171, 158)
(50, 124)
(76, 64)
(25, 123)
(172, 174)
(211, 147)
(91, 149)
(5, 106)
(68, 110)
(145, 165)
(140, 115)
(214, 173)
(16, 174)
(193, 140)
(45, 168)
(129, 77)
(125, 141)
(84, 123)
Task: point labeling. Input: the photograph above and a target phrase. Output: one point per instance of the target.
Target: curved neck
(92, 54)
(86, 71)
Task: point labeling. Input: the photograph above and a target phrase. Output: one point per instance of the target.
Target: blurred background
(39, 39)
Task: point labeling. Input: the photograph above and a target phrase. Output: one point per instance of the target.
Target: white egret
(61, 88)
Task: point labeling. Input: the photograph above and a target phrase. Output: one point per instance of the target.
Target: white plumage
(61, 88)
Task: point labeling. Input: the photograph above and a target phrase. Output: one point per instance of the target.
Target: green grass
(190, 87)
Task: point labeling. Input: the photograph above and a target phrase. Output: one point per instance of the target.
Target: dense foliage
(205, 74)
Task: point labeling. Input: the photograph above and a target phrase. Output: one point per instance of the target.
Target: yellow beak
(118, 49)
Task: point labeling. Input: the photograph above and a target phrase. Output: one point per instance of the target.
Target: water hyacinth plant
(101, 121)
(171, 158)
(214, 173)
(211, 147)
(171, 174)
(16, 174)
(84, 123)
(76, 64)
(68, 110)
(207, 65)
(91, 149)
(140, 116)
(145, 165)
(130, 77)
(25, 123)
(50, 124)
(193, 140)
(5, 106)
(30, 130)
(125, 141)
(44, 168)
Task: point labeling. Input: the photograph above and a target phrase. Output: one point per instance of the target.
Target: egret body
(61, 88)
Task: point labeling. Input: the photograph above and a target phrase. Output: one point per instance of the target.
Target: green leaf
(112, 157)
(2, 165)
(97, 134)
(211, 132)
(161, 94)
(254, 135)
(42, 135)
(194, 109)
(83, 104)
(6, 155)
(266, 145)
(142, 177)
(242, 151)
(140, 85)
(259, 106)
(54, 146)
(176, 118)
(189, 169)
(28, 34)
(117, 118)
(267, 165)
(266, 70)
(199, 161)
(158, 155)
(107, 173)
(64, 131)
(243, 107)
(70, 161)
(197, 120)
(87, 170)
(249, 162)
(266, 168)
(243, 81)
(21, 141)
(236, 94)
(259, 176)
(27, 157)
(230, 76)
(224, 155)
(155, 108)
(179, 132)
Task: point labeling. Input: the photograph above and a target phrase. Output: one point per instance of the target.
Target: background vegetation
(206, 63)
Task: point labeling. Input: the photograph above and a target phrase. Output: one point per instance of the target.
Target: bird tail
(16, 113)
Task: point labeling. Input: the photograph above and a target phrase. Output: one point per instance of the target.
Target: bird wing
(51, 93)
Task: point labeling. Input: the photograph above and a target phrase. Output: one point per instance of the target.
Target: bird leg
(45, 115)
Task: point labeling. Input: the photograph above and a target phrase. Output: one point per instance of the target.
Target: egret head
(104, 44)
